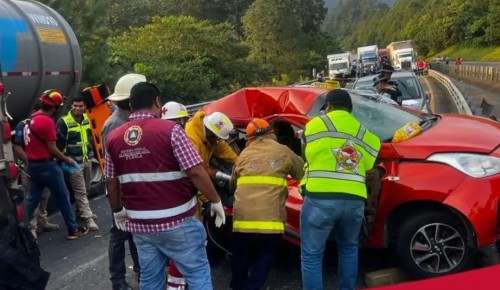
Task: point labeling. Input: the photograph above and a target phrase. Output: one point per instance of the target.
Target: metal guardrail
(192, 109)
(459, 100)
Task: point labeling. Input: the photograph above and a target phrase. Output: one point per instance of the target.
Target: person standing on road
(40, 144)
(260, 176)
(40, 221)
(458, 64)
(118, 237)
(338, 151)
(150, 170)
(74, 138)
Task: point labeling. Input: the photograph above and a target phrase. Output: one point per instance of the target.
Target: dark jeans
(241, 261)
(116, 254)
(49, 174)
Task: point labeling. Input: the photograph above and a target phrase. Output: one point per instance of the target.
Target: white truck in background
(339, 65)
(367, 59)
(402, 55)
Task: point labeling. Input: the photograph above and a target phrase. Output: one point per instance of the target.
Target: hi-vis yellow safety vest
(339, 151)
(78, 145)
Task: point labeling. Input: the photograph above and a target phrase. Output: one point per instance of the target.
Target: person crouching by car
(260, 176)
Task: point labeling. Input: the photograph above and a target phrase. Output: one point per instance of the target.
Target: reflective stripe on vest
(259, 225)
(271, 180)
(152, 177)
(359, 142)
(162, 213)
(336, 175)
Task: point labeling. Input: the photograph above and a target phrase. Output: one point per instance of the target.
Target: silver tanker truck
(38, 51)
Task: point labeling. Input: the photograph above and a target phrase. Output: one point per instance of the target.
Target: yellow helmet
(219, 124)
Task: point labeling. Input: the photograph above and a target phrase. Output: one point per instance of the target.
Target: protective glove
(120, 218)
(218, 210)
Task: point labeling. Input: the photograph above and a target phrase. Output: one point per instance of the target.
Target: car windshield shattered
(381, 119)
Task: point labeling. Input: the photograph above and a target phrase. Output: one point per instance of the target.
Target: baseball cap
(339, 98)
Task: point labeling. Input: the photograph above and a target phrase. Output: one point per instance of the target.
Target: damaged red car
(434, 197)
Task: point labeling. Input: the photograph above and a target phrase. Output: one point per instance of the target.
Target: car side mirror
(427, 97)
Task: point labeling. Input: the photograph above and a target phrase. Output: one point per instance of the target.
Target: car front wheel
(432, 244)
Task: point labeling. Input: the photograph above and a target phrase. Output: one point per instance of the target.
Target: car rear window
(407, 85)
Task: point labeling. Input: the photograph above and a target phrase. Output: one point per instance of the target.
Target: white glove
(218, 210)
(120, 218)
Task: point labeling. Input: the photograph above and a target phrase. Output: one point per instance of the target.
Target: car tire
(432, 244)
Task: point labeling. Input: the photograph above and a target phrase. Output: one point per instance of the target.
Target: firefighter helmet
(219, 124)
(173, 110)
(52, 97)
(258, 127)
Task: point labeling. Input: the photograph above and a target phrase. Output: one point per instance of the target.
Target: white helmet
(124, 85)
(219, 124)
(173, 110)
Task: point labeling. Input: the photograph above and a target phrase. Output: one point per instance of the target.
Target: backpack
(20, 258)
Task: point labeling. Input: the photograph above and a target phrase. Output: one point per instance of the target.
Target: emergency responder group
(159, 175)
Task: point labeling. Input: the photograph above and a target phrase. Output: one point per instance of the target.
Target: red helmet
(52, 97)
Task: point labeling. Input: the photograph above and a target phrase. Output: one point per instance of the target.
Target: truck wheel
(432, 244)
(97, 186)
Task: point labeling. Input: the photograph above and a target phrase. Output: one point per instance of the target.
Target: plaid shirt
(184, 152)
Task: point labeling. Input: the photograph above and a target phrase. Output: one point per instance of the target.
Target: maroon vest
(154, 189)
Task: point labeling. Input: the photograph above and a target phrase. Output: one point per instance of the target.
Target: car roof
(395, 75)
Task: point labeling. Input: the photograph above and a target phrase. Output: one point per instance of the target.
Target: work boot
(122, 286)
(47, 227)
(91, 225)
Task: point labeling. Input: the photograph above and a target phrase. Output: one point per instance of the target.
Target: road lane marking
(431, 91)
(78, 270)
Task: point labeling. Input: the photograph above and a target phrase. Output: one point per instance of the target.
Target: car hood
(452, 133)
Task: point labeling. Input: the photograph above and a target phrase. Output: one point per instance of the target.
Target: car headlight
(474, 165)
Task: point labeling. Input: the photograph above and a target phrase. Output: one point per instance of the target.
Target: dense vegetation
(202, 49)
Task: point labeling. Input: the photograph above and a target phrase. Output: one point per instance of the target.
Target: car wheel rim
(437, 248)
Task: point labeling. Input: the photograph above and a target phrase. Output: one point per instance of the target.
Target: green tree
(190, 60)
(273, 32)
(312, 13)
(492, 32)
(87, 19)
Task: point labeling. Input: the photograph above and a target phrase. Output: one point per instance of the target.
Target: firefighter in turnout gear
(260, 176)
(338, 151)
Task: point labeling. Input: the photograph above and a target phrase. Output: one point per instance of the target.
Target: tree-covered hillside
(332, 3)
(196, 50)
